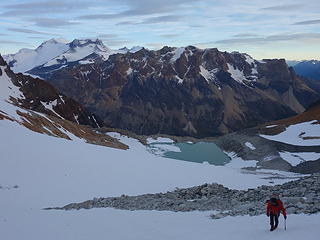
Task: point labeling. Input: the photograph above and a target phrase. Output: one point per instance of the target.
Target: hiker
(274, 206)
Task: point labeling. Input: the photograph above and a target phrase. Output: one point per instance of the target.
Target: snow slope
(301, 134)
(26, 59)
(39, 171)
(58, 172)
(57, 51)
(80, 49)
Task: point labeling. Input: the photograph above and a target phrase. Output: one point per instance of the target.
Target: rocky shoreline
(299, 196)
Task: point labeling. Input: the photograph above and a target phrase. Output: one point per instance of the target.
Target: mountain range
(183, 91)
(308, 69)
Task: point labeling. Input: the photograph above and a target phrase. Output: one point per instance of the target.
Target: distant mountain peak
(85, 42)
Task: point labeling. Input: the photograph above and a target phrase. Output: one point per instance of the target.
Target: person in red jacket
(274, 207)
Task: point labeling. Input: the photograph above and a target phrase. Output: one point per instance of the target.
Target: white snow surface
(271, 126)
(26, 59)
(177, 54)
(53, 172)
(49, 171)
(249, 145)
(236, 74)
(54, 50)
(89, 61)
(159, 140)
(252, 63)
(208, 75)
(294, 134)
(295, 158)
(80, 52)
(135, 49)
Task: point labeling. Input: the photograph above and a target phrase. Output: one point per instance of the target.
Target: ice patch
(249, 145)
(301, 134)
(129, 71)
(86, 61)
(177, 54)
(208, 75)
(159, 140)
(271, 126)
(236, 74)
(296, 158)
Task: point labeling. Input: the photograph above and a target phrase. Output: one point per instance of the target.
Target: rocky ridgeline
(299, 196)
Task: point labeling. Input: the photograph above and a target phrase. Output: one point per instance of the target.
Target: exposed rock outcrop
(183, 91)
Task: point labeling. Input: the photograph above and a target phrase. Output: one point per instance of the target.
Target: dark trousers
(274, 220)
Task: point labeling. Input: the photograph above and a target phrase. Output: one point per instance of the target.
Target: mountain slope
(38, 106)
(183, 91)
(291, 144)
(308, 69)
(26, 59)
(54, 53)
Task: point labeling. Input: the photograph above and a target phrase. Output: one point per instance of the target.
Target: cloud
(155, 45)
(144, 8)
(36, 37)
(108, 36)
(10, 42)
(162, 19)
(244, 35)
(154, 20)
(284, 7)
(169, 35)
(41, 7)
(115, 42)
(29, 31)
(126, 23)
(268, 39)
(52, 22)
(310, 22)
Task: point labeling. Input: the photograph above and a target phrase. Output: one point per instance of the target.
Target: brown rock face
(41, 96)
(186, 91)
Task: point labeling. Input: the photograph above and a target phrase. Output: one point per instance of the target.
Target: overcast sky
(264, 29)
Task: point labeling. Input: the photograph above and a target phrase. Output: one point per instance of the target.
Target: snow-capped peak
(26, 59)
(55, 51)
(55, 41)
(79, 49)
(84, 42)
(125, 50)
(135, 49)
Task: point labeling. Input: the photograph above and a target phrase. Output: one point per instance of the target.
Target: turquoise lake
(199, 152)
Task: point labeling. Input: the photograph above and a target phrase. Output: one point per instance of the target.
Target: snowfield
(53, 172)
(39, 171)
(301, 134)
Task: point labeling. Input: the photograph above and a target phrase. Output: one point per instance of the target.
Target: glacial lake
(200, 152)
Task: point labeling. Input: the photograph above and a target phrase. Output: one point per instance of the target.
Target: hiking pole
(285, 224)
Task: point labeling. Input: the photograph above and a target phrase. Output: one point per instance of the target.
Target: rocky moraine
(299, 196)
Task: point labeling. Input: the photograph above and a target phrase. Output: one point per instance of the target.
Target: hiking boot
(271, 229)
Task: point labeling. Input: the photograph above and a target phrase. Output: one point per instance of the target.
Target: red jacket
(275, 209)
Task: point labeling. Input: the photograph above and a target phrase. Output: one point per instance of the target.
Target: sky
(264, 29)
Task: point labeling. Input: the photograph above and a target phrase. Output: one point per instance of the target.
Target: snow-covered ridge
(79, 49)
(56, 51)
(26, 59)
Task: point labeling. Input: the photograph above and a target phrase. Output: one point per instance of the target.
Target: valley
(173, 137)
